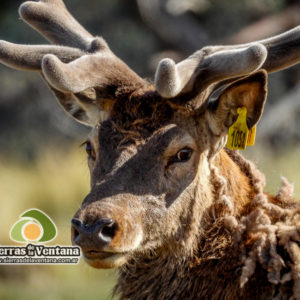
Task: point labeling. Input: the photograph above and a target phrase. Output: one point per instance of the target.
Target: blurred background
(41, 163)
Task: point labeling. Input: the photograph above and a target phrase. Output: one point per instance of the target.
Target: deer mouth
(104, 260)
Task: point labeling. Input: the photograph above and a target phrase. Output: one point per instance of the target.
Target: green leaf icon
(16, 231)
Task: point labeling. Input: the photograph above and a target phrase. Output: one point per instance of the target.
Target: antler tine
(205, 67)
(52, 19)
(221, 63)
(97, 70)
(28, 57)
(283, 50)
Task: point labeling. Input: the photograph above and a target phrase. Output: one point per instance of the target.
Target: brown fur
(238, 257)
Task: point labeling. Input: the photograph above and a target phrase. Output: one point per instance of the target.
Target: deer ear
(249, 92)
(85, 107)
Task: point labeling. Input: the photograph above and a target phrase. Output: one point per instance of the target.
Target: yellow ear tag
(251, 136)
(238, 131)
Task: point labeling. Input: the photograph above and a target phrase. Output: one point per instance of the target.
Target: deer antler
(77, 75)
(214, 64)
(28, 57)
(83, 72)
(81, 61)
(52, 19)
(206, 66)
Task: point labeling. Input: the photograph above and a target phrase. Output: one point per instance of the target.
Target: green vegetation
(55, 183)
(277, 164)
(56, 282)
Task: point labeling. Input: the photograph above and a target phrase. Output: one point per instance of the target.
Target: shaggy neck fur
(246, 236)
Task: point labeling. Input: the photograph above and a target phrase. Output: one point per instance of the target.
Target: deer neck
(233, 179)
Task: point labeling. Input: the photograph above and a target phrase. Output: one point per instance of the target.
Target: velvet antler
(78, 62)
(215, 64)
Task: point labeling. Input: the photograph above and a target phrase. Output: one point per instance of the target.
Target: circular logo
(33, 226)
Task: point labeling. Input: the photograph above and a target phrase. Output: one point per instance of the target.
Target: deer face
(150, 149)
(142, 181)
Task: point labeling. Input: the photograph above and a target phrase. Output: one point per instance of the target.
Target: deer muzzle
(106, 235)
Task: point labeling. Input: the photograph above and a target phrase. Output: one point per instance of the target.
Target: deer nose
(99, 233)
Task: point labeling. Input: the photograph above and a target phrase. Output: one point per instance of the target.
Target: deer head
(152, 148)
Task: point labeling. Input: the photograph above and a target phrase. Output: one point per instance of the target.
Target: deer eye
(182, 155)
(90, 150)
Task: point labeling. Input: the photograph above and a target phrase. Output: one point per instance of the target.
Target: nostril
(76, 224)
(108, 231)
(75, 235)
(103, 230)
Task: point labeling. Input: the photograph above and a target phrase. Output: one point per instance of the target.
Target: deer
(176, 212)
